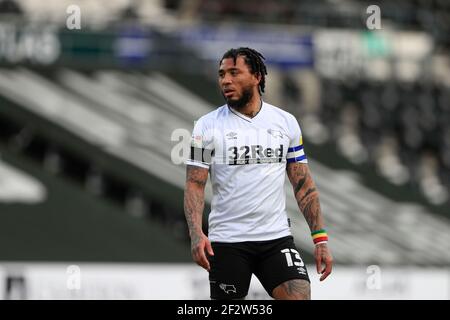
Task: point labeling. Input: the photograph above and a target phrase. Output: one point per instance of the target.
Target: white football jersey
(247, 161)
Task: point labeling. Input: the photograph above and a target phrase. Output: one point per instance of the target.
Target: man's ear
(258, 77)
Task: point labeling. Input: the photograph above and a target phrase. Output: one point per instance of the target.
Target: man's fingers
(326, 271)
(201, 260)
(318, 263)
(200, 257)
(324, 268)
(209, 248)
(204, 262)
(324, 275)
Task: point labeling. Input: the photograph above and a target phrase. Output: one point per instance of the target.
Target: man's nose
(226, 79)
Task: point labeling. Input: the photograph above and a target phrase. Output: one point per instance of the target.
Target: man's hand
(323, 256)
(199, 244)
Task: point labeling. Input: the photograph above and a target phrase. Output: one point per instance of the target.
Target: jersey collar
(243, 116)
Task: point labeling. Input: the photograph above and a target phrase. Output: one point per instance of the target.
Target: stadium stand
(92, 108)
(94, 123)
(46, 217)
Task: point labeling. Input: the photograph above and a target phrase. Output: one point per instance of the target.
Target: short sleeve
(201, 146)
(296, 152)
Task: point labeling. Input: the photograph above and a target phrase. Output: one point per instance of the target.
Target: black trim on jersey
(201, 155)
(260, 108)
(234, 112)
(238, 162)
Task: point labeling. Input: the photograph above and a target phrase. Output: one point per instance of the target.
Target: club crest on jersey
(275, 133)
(254, 154)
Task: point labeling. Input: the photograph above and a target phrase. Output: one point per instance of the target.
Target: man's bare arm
(307, 197)
(194, 198)
(306, 194)
(194, 203)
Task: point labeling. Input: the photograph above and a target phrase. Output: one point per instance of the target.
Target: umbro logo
(231, 135)
(301, 270)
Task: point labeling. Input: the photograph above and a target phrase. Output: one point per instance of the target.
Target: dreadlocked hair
(254, 61)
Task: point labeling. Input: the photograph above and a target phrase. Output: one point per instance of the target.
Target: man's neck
(252, 108)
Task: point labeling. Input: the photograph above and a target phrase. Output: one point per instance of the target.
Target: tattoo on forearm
(193, 209)
(306, 195)
(194, 200)
(310, 190)
(311, 211)
(300, 184)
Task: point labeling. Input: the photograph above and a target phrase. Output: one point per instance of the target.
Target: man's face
(236, 82)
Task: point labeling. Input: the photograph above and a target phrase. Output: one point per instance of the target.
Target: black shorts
(273, 262)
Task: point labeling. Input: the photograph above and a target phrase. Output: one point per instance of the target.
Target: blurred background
(98, 99)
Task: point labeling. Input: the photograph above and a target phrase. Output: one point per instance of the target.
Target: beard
(239, 104)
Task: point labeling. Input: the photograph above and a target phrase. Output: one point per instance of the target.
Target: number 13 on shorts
(290, 262)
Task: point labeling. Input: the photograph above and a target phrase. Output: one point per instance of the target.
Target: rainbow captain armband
(319, 236)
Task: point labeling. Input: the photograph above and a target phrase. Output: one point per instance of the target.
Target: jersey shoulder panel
(279, 112)
(218, 113)
(287, 118)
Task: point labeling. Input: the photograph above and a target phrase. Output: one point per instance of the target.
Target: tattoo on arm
(196, 175)
(306, 194)
(194, 201)
(300, 184)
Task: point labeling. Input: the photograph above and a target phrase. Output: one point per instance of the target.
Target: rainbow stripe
(319, 236)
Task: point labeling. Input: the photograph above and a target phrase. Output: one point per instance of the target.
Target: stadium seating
(131, 117)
